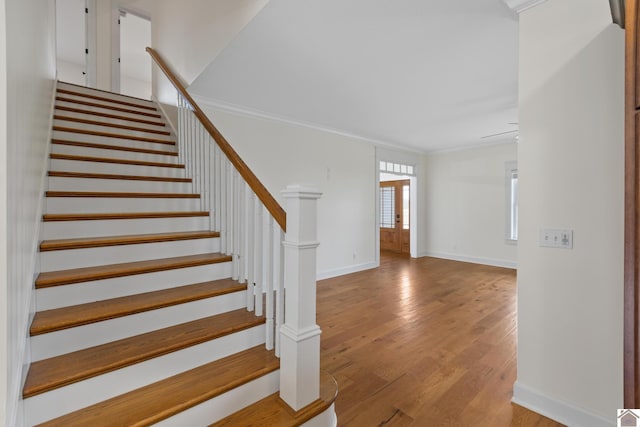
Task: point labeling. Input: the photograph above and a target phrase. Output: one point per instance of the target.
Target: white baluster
(179, 136)
(242, 231)
(250, 245)
(207, 168)
(187, 146)
(267, 255)
(235, 272)
(218, 192)
(278, 280)
(224, 190)
(257, 257)
(192, 171)
(300, 346)
(202, 149)
(212, 183)
(229, 208)
(197, 173)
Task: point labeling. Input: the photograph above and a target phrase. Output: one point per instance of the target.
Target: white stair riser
(90, 257)
(324, 419)
(114, 168)
(118, 142)
(81, 293)
(102, 110)
(107, 128)
(226, 404)
(109, 95)
(96, 184)
(121, 227)
(112, 154)
(106, 103)
(73, 339)
(58, 402)
(102, 119)
(109, 204)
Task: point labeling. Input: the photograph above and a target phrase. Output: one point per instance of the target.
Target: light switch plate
(555, 238)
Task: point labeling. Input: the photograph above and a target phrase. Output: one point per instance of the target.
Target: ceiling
(421, 74)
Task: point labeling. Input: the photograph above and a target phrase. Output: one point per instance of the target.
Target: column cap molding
(520, 6)
(300, 335)
(312, 244)
(300, 191)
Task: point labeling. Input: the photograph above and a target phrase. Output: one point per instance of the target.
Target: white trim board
(474, 260)
(557, 410)
(328, 274)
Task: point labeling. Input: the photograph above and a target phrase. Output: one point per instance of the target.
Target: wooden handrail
(258, 188)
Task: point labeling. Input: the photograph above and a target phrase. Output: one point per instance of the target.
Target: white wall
(103, 43)
(70, 72)
(27, 88)
(465, 205)
(343, 169)
(189, 34)
(570, 171)
(134, 87)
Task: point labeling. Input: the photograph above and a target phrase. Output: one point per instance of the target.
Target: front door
(394, 216)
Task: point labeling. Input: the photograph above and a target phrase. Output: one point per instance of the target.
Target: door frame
(398, 201)
(118, 12)
(403, 157)
(631, 217)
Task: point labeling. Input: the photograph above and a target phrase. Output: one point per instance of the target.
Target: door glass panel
(387, 207)
(405, 207)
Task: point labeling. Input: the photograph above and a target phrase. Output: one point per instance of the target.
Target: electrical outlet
(552, 238)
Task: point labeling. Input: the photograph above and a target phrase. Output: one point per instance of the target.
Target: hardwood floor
(423, 342)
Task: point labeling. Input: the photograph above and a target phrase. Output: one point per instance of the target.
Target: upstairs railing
(252, 227)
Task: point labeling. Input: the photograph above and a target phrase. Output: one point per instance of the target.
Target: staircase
(138, 321)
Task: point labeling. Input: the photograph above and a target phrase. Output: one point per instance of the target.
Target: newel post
(300, 335)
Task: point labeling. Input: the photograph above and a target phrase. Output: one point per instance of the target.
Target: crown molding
(520, 6)
(255, 113)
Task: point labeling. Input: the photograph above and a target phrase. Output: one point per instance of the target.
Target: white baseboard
(327, 274)
(475, 260)
(557, 410)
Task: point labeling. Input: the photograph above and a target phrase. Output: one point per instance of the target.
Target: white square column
(300, 335)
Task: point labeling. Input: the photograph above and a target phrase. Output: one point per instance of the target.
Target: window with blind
(387, 207)
(511, 181)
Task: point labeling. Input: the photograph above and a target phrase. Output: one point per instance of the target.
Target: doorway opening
(131, 70)
(395, 217)
(71, 42)
(397, 208)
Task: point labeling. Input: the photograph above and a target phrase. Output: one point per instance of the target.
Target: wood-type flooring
(424, 343)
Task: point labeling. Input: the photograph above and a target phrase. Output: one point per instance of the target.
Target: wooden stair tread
(49, 374)
(108, 116)
(85, 274)
(121, 215)
(83, 314)
(63, 174)
(106, 99)
(113, 160)
(117, 194)
(108, 124)
(108, 107)
(113, 135)
(158, 401)
(94, 89)
(97, 242)
(272, 411)
(113, 147)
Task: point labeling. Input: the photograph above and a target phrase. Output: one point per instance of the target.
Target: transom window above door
(397, 168)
